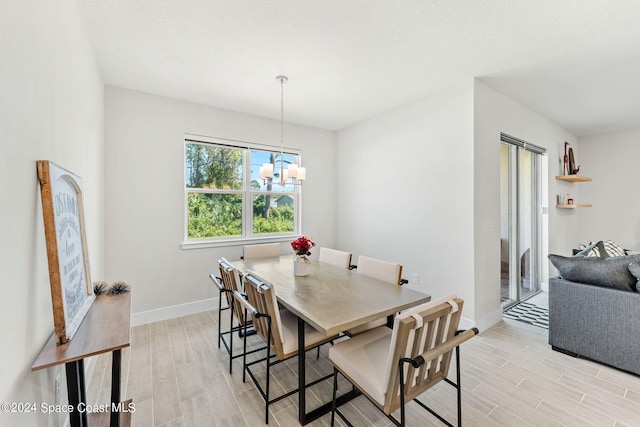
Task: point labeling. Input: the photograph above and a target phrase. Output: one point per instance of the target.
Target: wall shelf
(573, 178)
(574, 206)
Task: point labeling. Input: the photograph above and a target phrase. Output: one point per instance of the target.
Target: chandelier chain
(282, 116)
(295, 172)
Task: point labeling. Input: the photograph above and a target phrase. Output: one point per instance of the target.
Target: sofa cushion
(610, 272)
(634, 268)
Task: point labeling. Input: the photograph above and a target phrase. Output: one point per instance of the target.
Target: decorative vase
(300, 266)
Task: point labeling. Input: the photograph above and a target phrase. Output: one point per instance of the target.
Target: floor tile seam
(565, 367)
(209, 408)
(510, 412)
(598, 408)
(514, 367)
(583, 421)
(257, 392)
(173, 364)
(634, 405)
(623, 376)
(604, 390)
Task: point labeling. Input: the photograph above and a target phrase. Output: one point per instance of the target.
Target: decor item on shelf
(561, 199)
(118, 287)
(100, 288)
(572, 162)
(294, 174)
(301, 247)
(569, 163)
(570, 202)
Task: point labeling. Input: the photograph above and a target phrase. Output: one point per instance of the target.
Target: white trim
(237, 143)
(245, 192)
(544, 286)
(200, 244)
(484, 323)
(173, 311)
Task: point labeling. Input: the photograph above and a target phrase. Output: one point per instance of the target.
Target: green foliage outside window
(214, 215)
(216, 209)
(279, 219)
(211, 166)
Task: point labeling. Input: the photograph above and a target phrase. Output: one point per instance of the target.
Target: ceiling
(576, 62)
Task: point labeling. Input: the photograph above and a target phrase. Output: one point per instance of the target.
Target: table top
(332, 299)
(105, 328)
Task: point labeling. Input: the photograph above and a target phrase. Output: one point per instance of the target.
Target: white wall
(405, 191)
(612, 161)
(144, 193)
(495, 113)
(51, 107)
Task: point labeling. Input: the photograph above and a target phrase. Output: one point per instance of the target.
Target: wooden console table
(105, 328)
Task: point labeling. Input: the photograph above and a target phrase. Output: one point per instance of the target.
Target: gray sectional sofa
(596, 322)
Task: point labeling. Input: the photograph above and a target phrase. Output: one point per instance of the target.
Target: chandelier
(293, 174)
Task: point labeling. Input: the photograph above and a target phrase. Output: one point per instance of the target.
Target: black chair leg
(458, 386)
(333, 402)
(231, 341)
(219, 318)
(244, 350)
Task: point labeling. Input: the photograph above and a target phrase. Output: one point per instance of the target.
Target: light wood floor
(177, 376)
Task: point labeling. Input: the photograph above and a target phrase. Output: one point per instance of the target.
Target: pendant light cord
(282, 117)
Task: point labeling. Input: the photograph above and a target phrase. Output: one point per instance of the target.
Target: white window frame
(247, 193)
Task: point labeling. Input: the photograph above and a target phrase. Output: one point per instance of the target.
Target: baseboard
(487, 321)
(466, 323)
(544, 286)
(150, 316)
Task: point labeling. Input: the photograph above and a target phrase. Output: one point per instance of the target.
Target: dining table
(331, 300)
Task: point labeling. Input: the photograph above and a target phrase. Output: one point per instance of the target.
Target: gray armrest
(595, 322)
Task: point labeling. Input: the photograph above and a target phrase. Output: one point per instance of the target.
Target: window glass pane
(211, 166)
(214, 215)
(273, 213)
(258, 158)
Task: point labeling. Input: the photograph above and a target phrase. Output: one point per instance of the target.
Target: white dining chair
(391, 367)
(279, 330)
(335, 257)
(386, 271)
(267, 250)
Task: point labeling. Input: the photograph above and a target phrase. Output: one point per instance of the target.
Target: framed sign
(71, 289)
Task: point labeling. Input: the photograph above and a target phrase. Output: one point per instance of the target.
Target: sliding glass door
(520, 223)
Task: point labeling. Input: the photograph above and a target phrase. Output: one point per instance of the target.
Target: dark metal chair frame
(264, 392)
(240, 328)
(418, 363)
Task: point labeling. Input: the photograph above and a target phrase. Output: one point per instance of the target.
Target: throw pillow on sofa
(634, 268)
(612, 272)
(614, 249)
(593, 249)
(602, 249)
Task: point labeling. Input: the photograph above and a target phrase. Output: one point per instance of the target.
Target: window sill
(236, 242)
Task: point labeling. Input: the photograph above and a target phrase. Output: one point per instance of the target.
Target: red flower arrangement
(302, 245)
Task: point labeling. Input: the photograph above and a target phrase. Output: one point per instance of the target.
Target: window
(225, 199)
